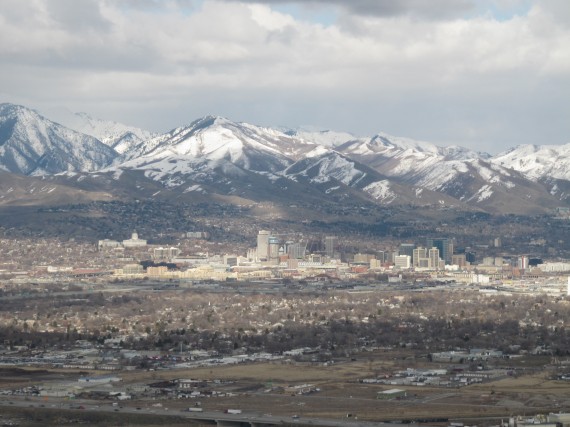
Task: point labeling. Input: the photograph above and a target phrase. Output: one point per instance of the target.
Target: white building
(134, 241)
(402, 261)
(108, 244)
(263, 245)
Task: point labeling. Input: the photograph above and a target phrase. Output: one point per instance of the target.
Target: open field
(264, 388)
(260, 387)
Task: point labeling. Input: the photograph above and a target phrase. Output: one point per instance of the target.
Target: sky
(484, 74)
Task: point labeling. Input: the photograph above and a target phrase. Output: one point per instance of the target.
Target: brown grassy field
(263, 388)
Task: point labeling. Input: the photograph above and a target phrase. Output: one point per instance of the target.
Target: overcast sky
(484, 74)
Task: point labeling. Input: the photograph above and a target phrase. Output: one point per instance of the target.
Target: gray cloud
(559, 10)
(433, 9)
(71, 15)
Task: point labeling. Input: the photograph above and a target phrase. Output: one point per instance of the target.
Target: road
(85, 405)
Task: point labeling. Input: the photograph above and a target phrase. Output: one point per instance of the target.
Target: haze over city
(487, 75)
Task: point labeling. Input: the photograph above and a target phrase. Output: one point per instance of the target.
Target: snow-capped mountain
(537, 162)
(30, 144)
(521, 179)
(215, 139)
(383, 143)
(215, 157)
(545, 164)
(216, 154)
(401, 157)
(455, 171)
(116, 135)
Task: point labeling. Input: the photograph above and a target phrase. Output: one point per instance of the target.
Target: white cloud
(481, 82)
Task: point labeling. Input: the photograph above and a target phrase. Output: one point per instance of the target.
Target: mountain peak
(30, 144)
(207, 121)
(13, 110)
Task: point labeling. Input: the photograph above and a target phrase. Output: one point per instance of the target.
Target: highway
(211, 416)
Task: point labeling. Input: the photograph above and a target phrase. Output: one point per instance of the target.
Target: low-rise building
(394, 393)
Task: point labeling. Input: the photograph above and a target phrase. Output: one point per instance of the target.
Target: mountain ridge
(214, 155)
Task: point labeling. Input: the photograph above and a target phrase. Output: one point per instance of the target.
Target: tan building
(459, 260)
(402, 261)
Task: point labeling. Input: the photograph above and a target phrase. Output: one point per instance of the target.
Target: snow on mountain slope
(440, 176)
(382, 142)
(537, 162)
(327, 138)
(216, 152)
(323, 165)
(30, 144)
(214, 155)
(329, 168)
(214, 138)
(487, 186)
(116, 135)
(471, 177)
(414, 162)
(399, 156)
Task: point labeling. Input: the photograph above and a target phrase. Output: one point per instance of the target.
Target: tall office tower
(263, 245)
(433, 256)
(296, 250)
(445, 247)
(522, 262)
(273, 245)
(381, 256)
(331, 246)
(407, 249)
(418, 254)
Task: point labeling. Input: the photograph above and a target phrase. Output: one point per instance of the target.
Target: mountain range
(215, 158)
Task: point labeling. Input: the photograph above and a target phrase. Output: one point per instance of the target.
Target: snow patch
(380, 190)
(330, 190)
(194, 188)
(484, 193)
